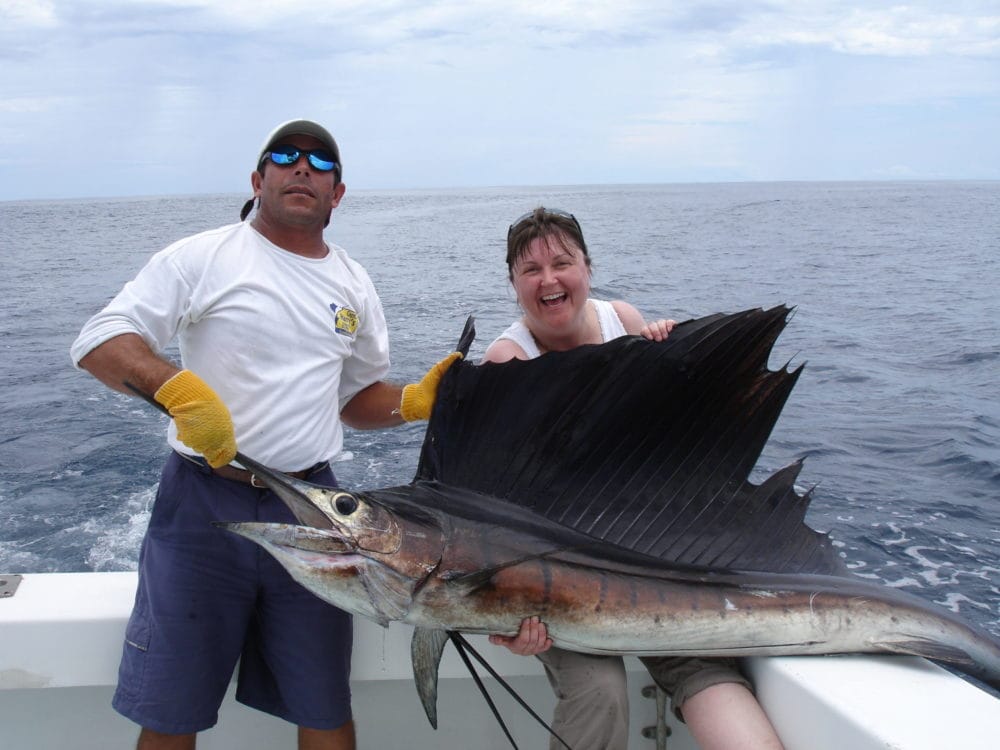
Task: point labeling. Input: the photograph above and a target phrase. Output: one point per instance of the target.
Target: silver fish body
(484, 574)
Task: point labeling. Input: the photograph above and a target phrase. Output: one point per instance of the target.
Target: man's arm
(386, 405)
(203, 422)
(374, 407)
(127, 358)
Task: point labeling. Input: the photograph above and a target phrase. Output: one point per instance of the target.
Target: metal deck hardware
(8, 584)
(660, 731)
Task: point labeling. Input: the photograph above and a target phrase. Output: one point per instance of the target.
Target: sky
(135, 97)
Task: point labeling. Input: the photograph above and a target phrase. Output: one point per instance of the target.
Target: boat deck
(61, 636)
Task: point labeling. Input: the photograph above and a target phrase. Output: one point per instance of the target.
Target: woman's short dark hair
(543, 222)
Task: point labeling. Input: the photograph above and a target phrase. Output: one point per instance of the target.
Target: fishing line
(460, 643)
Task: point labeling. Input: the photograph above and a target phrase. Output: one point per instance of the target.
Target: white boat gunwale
(61, 637)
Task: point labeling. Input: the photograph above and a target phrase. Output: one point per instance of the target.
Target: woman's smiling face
(552, 281)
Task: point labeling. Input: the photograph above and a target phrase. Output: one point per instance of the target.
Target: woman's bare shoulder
(503, 350)
(631, 318)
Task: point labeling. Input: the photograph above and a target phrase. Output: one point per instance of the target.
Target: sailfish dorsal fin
(644, 445)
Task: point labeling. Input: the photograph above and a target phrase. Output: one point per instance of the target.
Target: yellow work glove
(418, 398)
(203, 421)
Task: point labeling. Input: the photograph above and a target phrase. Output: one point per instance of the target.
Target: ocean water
(896, 316)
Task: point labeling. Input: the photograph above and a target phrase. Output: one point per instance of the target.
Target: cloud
(893, 31)
(30, 105)
(448, 93)
(28, 13)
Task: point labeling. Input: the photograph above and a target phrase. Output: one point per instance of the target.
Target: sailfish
(607, 490)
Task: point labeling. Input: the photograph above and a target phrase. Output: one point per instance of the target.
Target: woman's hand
(658, 330)
(531, 639)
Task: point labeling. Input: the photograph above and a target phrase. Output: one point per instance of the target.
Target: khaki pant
(592, 708)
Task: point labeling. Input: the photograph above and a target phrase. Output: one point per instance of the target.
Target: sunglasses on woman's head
(545, 212)
(286, 155)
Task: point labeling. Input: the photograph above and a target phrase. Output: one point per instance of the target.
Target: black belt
(247, 477)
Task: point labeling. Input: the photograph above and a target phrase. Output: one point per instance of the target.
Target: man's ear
(338, 193)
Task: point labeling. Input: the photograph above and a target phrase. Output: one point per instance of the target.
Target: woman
(549, 268)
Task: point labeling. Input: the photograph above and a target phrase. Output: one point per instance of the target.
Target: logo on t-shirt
(346, 320)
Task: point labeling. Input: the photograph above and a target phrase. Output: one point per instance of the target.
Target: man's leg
(341, 738)
(296, 661)
(150, 740)
(195, 596)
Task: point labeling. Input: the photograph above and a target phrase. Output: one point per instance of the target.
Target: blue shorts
(208, 598)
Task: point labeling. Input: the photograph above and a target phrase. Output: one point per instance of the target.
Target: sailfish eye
(345, 504)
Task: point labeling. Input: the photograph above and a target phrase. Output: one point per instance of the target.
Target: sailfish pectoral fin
(426, 648)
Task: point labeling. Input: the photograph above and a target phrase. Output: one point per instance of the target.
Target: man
(282, 338)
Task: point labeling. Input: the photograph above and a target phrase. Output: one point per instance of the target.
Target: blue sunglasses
(286, 155)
